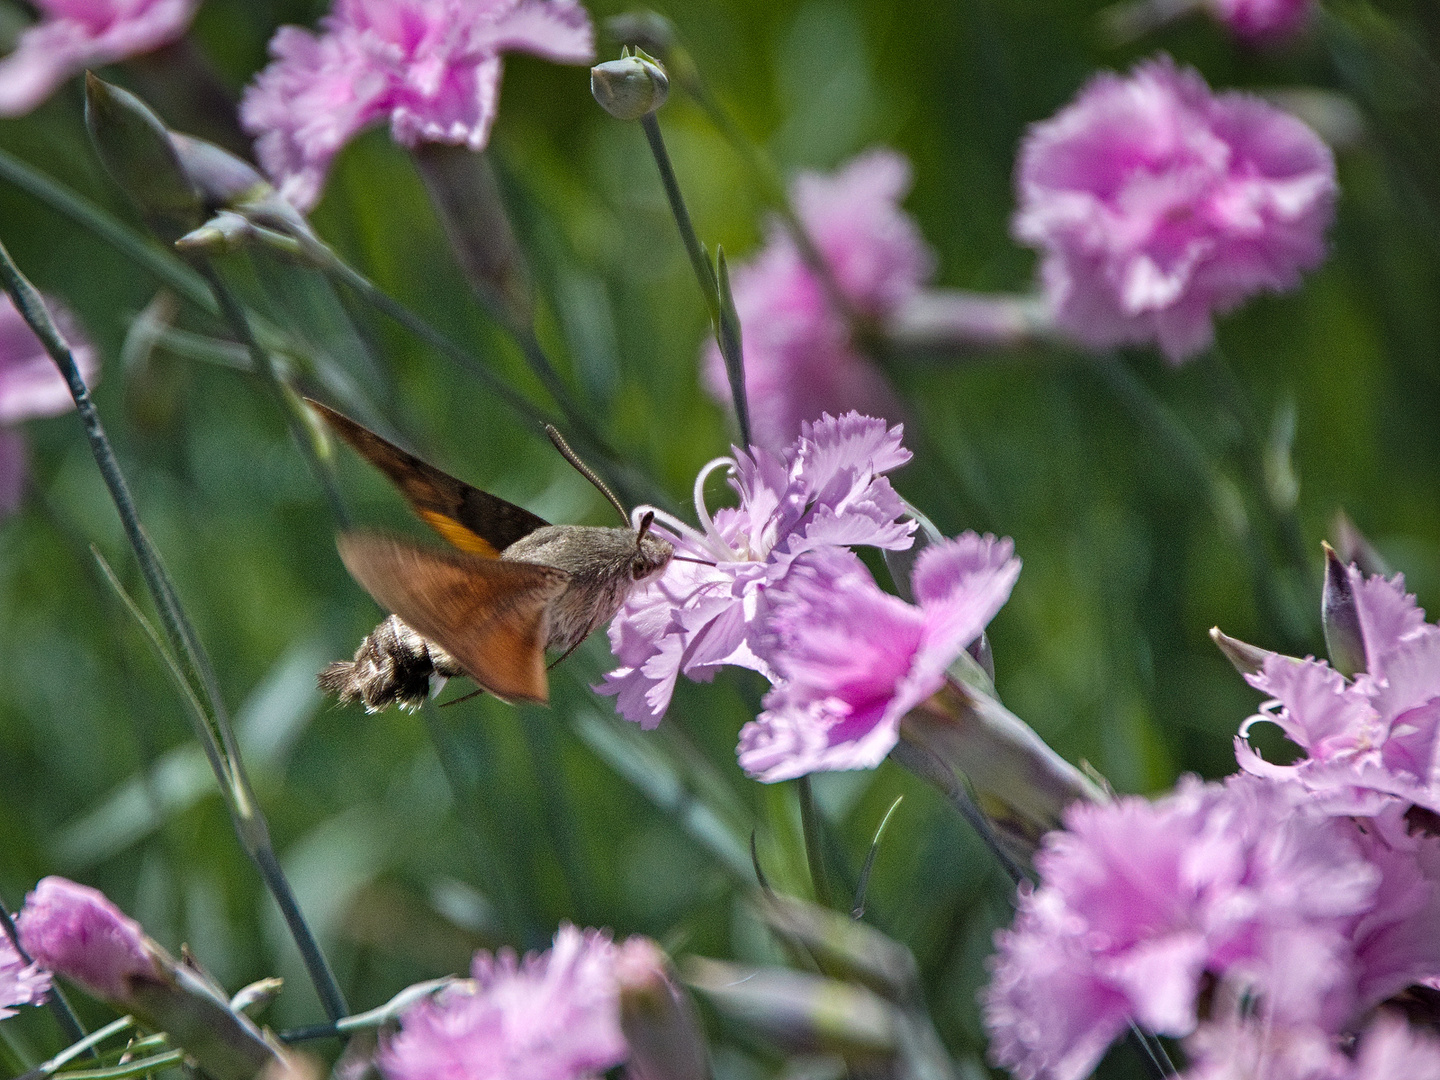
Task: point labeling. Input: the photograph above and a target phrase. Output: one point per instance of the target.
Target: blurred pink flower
(75, 931)
(1241, 1049)
(853, 660)
(1157, 204)
(1391, 1048)
(73, 35)
(1371, 741)
(709, 607)
(431, 67)
(1261, 20)
(551, 1016)
(799, 360)
(1244, 882)
(21, 983)
(31, 386)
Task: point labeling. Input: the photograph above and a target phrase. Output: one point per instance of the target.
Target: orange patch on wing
(459, 535)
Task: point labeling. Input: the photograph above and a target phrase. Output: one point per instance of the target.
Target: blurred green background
(571, 813)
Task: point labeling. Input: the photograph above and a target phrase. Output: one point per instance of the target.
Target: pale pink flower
(1372, 740)
(1261, 21)
(73, 35)
(1391, 1049)
(1247, 1049)
(800, 361)
(551, 1016)
(1140, 902)
(21, 982)
(75, 931)
(1157, 204)
(430, 67)
(710, 606)
(31, 386)
(853, 660)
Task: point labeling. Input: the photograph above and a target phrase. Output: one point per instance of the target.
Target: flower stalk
(212, 721)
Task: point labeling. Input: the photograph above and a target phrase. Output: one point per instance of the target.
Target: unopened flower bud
(77, 932)
(1247, 659)
(1344, 639)
(802, 1012)
(657, 1017)
(631, 87)
(137, 152)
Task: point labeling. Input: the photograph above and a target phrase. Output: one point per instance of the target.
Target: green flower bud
(1344, 638)
(136, 150)
(631, 87)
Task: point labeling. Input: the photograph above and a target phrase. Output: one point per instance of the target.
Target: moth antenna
(686, 558)
(645, 523)
(584, 470)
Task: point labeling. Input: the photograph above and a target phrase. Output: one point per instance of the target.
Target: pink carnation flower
(1389, 1049)
(73, 35)
(709, 607)
(75, 931)
(853, 660)
(1158, 204)
(21, 982)
(31, 386)
(430, 67)
(1262, 20)
(799, 360)
(1368, 741)
(551, 1016)
(1139, 902)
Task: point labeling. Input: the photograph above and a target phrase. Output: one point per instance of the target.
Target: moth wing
(491, 615)
(471, 519)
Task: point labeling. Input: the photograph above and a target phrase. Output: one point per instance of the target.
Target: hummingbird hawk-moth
(512, 585)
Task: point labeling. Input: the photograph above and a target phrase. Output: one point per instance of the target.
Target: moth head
(652, 553)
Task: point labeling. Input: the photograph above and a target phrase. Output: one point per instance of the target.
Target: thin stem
(716, 290)
(372, 294)
(814, 853)
(130, 1068)
(64, 1014)
(250, 824)
(1156, 1059)
(923, 763)
(331, 998)
(160, 263)
(704, 272)
(87, 1044)
(264, 365)
(1224, 497)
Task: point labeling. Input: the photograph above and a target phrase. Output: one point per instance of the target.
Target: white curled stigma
(707, 538)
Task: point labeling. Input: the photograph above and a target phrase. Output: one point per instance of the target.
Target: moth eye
(638, 569)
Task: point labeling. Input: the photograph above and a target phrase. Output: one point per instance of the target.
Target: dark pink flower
(1139, 902)
(21, 982)
(1262, 20)
(73, 35)
(709, 607)
(430, 67)
(1157, 204)
(799, 359)
(551, 1016)
(75, 931)
(31, 386)
(853, 660)
(1391, 1048)
(1372, 740)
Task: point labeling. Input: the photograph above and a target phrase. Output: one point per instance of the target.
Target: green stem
(814, 852)
(716, 290)
(131, 1068)
(373, 295)
(184, 642)
(1221, 492)
(160, 263)
(285, 400)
